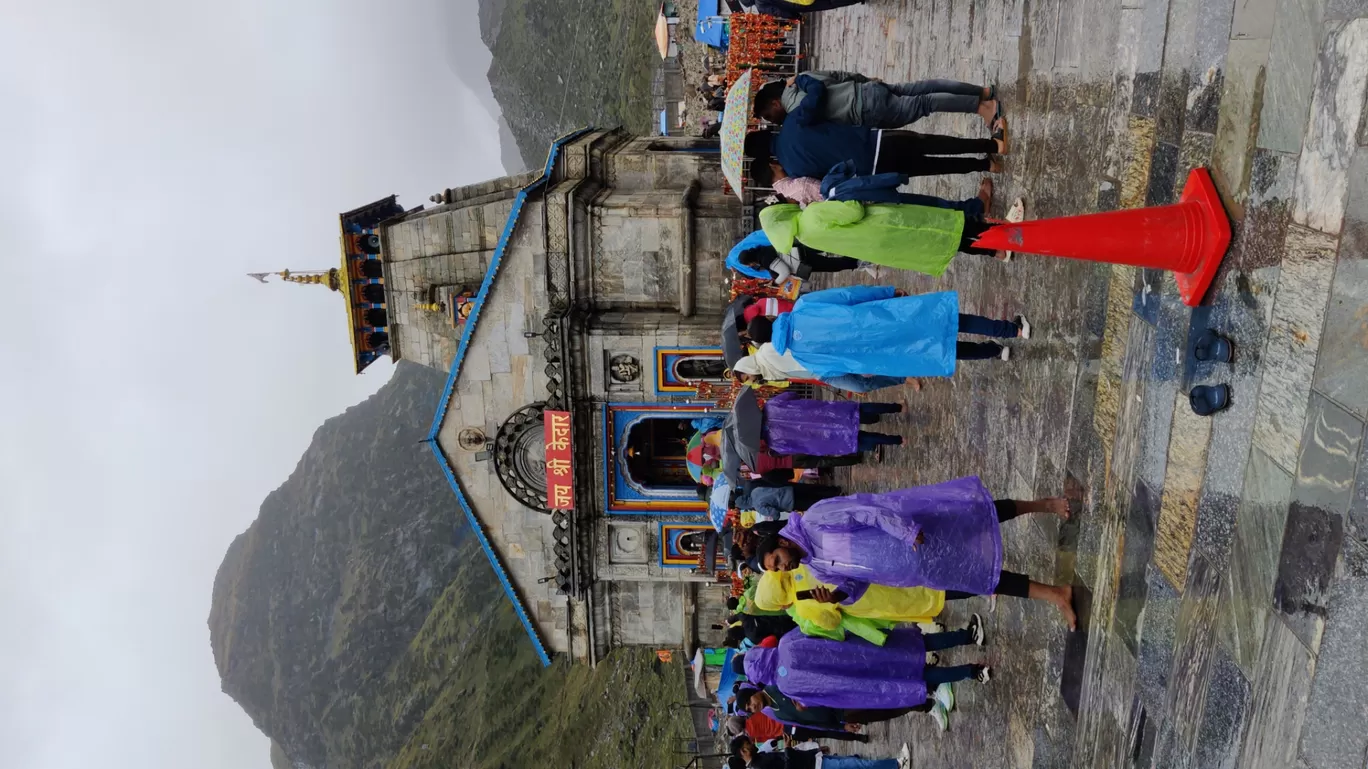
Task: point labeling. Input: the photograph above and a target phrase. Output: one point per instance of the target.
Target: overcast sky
(151, 154)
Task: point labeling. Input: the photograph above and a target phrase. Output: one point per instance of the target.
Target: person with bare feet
(853, 99)
(946, 537)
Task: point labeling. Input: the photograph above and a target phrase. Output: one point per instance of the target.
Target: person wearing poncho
(855, 674)
(945, 536)
(903, 236)
(779, 590)
(766, 366)
(876, 330)
(795, 425)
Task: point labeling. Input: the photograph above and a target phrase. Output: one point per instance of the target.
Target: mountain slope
(558, 66)
(359, 625)
(468, 57)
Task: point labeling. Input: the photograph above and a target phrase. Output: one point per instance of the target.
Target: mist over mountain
(468, 56)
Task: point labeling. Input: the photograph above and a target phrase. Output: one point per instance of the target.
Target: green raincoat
(898, 235)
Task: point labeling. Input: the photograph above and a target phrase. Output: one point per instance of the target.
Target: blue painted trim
(445, 400)
(494, 560)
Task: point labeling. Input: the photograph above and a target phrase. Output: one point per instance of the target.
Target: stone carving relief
(520, 456)
(624, 369)
(628, 543)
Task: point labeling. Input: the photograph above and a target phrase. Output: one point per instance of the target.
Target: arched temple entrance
(646, 466)
(655, 453)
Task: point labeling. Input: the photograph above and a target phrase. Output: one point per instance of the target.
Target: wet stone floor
(1221, 564)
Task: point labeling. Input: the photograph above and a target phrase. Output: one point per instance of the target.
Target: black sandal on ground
(1211, 346)
(1000, 134)
(1209, 399)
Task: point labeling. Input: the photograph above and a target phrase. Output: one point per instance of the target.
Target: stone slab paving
(1221, 564)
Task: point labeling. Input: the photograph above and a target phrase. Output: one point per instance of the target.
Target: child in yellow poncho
(827, 609)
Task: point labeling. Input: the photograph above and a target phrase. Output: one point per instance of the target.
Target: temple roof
(444, 401)
(367, 217)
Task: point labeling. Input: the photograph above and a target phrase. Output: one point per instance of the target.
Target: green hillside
(563, 65)
(360, 626)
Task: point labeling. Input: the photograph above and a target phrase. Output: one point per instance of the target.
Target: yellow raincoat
(779, 589)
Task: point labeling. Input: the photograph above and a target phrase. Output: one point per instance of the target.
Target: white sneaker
(931, 628)
(945, 696)
(1024, 327)
(932, 658)
(905, 757)
(942, 718)
(976, 630)
(1006, 353)
(983, 674)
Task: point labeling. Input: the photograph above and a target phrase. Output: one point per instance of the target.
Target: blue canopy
(712, 27)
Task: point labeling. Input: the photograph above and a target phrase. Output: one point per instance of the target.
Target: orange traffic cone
(1189, 237)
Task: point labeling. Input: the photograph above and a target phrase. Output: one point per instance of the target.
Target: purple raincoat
(865, 539)
(852, 674)
(796, 425)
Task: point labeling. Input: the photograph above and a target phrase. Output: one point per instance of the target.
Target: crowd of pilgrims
(835, 624)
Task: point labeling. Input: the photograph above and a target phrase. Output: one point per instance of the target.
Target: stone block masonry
(1219, 562)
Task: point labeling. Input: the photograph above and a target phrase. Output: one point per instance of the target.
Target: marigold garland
(754, 43)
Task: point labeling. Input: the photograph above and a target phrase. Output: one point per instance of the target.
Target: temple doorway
(655, 453)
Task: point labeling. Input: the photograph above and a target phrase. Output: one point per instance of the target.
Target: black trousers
(883, 714)
(806, 495)
(1009, 583)
(977, 350)
(870, 412)
(973, 228)
(810, 461)
(915, 154)
(824, 262)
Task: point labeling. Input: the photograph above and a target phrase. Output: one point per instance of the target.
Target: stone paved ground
(1221, 562)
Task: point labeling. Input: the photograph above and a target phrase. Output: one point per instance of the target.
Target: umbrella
(748, 421)
(742, 434)
(662, 34)
(731, 459)
(732, 349)
(701, 456)
(719, 502)
(735, 119)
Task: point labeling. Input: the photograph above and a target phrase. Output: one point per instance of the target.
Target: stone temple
(593, 286)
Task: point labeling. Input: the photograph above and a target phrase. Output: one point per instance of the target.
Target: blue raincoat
(757, 238)
(867, 330)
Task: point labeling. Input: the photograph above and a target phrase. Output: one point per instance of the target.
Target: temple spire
(330, 278)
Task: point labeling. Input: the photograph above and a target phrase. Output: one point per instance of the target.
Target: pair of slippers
(1209, 399)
